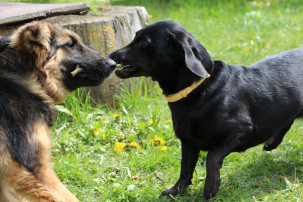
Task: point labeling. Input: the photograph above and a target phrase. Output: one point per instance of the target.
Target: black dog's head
(54, 53)
(161, 50)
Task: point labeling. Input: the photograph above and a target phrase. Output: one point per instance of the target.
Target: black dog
(230, 109)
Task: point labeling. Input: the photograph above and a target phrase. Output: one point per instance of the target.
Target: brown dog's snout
(112, 64)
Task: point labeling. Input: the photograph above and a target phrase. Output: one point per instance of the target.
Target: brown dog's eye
(143, 43)
(71, 44)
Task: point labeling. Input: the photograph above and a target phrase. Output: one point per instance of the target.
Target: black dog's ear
(191, 61)
(4, 42)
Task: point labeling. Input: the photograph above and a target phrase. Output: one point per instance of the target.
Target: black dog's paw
(269, 147)
(271, 144)
(173, 192)
(209, 193)
(211, 188)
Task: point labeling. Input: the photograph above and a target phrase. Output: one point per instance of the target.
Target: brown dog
(37, 70)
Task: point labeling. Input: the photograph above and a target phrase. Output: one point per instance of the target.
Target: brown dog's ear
(32, 42)
(191, 60)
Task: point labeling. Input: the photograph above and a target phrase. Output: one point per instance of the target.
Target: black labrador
(215, 107)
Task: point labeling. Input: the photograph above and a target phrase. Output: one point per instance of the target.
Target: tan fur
(16, 182)
(47, 69)
(8, 195)
(53, 78)
(23, 38)
(44, 184)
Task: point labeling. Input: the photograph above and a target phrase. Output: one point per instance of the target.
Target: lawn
(129, 152)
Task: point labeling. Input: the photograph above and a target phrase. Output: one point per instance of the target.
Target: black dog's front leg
(213, 181)
(214, 163)
(188, 164)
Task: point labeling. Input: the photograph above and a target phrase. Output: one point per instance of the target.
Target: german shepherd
(36, 70)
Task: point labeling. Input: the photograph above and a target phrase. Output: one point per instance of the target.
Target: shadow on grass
(264, 175)
(261, 176)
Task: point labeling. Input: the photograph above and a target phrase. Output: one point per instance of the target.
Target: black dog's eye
(142, 44)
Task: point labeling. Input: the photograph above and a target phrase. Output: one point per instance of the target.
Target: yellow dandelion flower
(267, 47)
(119, 147)
(152, 142)
(158, 140)
(96, 131)
(117, 115)
(133, 144)
(103, 121)
(151, 121)
(247, 49)
(169, 121)
(163, 148)
(150, 16)
(103, 136)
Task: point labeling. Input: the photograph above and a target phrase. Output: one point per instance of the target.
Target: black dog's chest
(199, 129)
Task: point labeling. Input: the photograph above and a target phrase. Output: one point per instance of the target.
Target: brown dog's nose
(112, 64)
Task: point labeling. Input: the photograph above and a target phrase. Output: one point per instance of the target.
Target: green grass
(237, 32)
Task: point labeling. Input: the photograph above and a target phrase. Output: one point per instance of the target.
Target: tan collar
(183, 93)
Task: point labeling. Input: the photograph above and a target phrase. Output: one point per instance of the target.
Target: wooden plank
(13, 13)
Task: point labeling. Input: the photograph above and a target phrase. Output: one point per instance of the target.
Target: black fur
(234, 109)
(19, 110)
(4, 41)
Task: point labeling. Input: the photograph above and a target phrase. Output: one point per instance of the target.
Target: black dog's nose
(112, 64)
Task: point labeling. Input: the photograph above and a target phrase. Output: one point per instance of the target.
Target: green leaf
(116, 185)
(62, 109)
(131, 187)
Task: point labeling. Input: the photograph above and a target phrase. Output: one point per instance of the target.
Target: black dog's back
(293, 58)
(277, 90)
(246, 96)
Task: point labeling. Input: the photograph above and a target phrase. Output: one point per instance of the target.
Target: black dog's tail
(4, 42)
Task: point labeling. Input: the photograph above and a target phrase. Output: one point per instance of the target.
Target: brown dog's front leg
(188, 163)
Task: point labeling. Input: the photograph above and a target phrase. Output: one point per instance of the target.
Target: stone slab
(16, 13)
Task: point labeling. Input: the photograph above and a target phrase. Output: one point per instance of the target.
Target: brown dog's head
(54, 53)
(163, 50)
